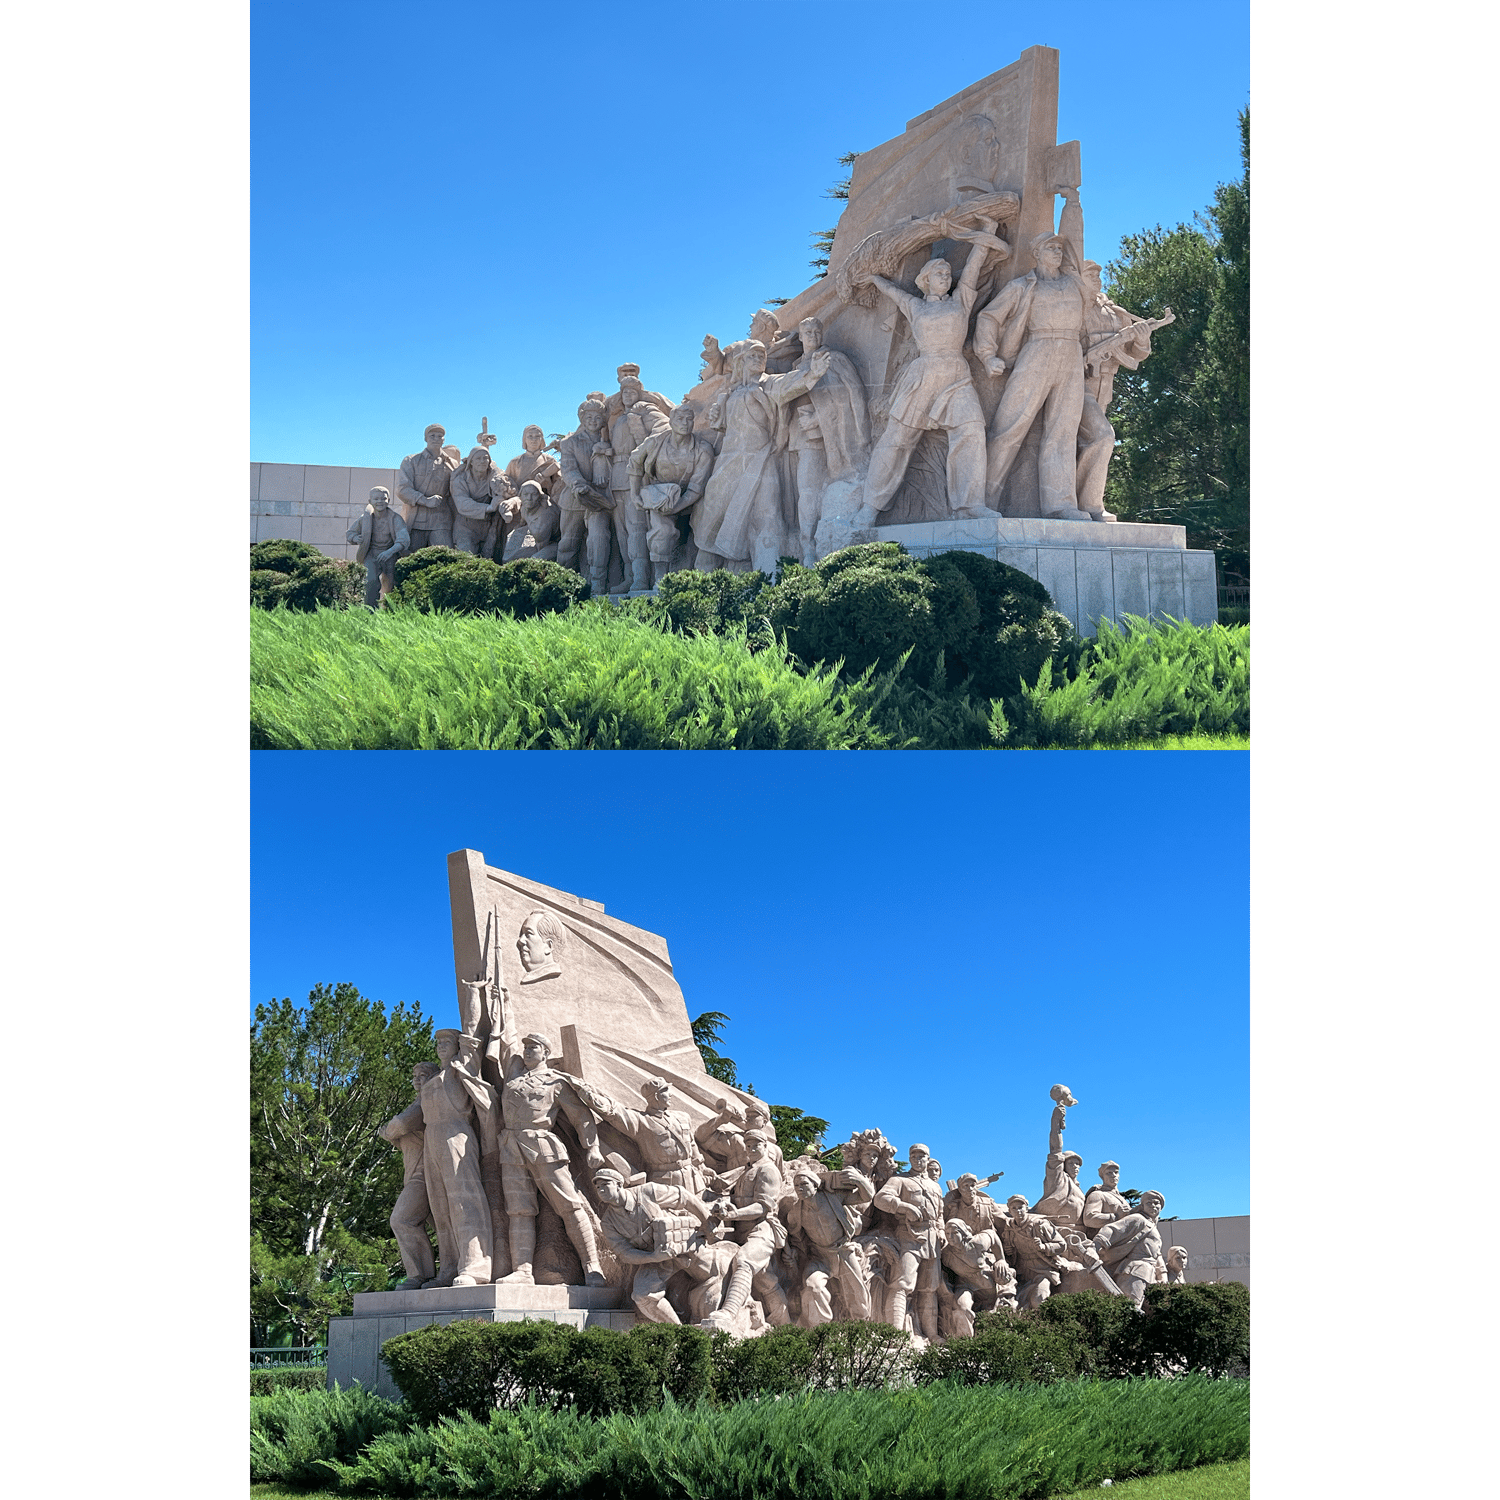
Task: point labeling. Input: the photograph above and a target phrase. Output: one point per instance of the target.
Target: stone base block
(354, 1343)
(1093, 570)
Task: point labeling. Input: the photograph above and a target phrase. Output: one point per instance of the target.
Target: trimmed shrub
(1099, 1328)
(443, 578)
(831, 1357)
(1002, 1351)
(281, 555)
(294, 1434)
(473, 1366)
(298, 577)
(296, 1378)
(710, 603)
(1203, 1327)
(777, 1363)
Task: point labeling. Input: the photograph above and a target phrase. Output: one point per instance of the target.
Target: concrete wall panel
(1056, 572)
(1164, 582)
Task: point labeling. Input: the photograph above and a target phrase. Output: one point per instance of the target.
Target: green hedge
(288, 1378)
(944, 1440)
(442, 578)
(474, 1366)
(296, 576)
(588, 679)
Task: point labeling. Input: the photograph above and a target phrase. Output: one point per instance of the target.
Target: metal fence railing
(1235, 597)
(288, 1359)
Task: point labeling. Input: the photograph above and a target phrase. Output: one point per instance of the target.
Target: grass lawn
(1211, 1482)
(1186, 742)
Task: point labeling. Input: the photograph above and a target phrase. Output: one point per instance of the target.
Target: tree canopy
(1182, 420)
(323, 1078)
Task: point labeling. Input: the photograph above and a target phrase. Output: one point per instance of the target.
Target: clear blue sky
(923, 942)
(466, 210)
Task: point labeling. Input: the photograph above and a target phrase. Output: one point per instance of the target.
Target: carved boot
(598, 585)
(774, 1301)
(581, 1232)
(522, 1248)
(735, 1297)
(926, 1315)
(640, 575)
(896, 1309)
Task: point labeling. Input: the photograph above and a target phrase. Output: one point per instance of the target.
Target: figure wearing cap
(423, 487)
(664, 1135)
(969, 1203)
(631, 415)
(1062, 1198)
(1103, 1203)
(722, 1139)
(534, 1158)
(1131, 1248)
(1033, 328)
(651, 1227)
(481, 500)
(824, 1217)
(752, 1213)
(915, 1203)
(584, 503)
(1036, 1248)
(380, 538)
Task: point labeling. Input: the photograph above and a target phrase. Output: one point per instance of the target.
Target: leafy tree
(323, 1078)
(796, 1131)
(1182, 420)
(707, 1030)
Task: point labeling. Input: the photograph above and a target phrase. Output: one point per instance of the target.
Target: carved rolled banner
(601, 991)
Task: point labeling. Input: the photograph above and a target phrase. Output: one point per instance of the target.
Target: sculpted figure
(1062, 1198)
(540, 945)
(651, 1228)
(765, 328)
(1103, 1203)
(936, 390)
(751, 1212)
(480, 493)
(971, 1206)
(1177, 1266)
(1034, 328)
(539, 523)
(1131, 1248)
(584, 504)
(632, 414)
(722, 1139)
(1036, 1248)
(739, 519)
(382, 538)
(915, 1202)
(458, 1145)
(664, 1135)
(423, 486)
(535, 466)
(977, 1268)
(1113, 338)
(533, 1157)
(1062, 1101)
(830, 432)
(668, 474)
(822, 1222)
(412, 1211)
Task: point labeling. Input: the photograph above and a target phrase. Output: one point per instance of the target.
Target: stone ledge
(506, 1296)
(1032, 531)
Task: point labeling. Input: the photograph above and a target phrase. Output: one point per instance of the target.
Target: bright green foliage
(1002, 1351)
(298, 1378)
(294, 1433)
(473, 1366)
(584, 680)
(1137, 683)
(796, 1132)
(442, 578)
(833, 1356)
(298, 576)
(1103, 1331)
(323, 1078)
(948, 1440)
(710, 603)
(1182, 420)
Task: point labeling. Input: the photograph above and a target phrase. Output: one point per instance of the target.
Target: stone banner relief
(567, 1149)
(953, 371)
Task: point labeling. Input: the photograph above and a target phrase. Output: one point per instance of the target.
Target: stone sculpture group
(508, 1158)
(784, 444)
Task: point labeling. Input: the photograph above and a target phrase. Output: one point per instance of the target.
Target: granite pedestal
(354, 1343)
(1094, 570)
